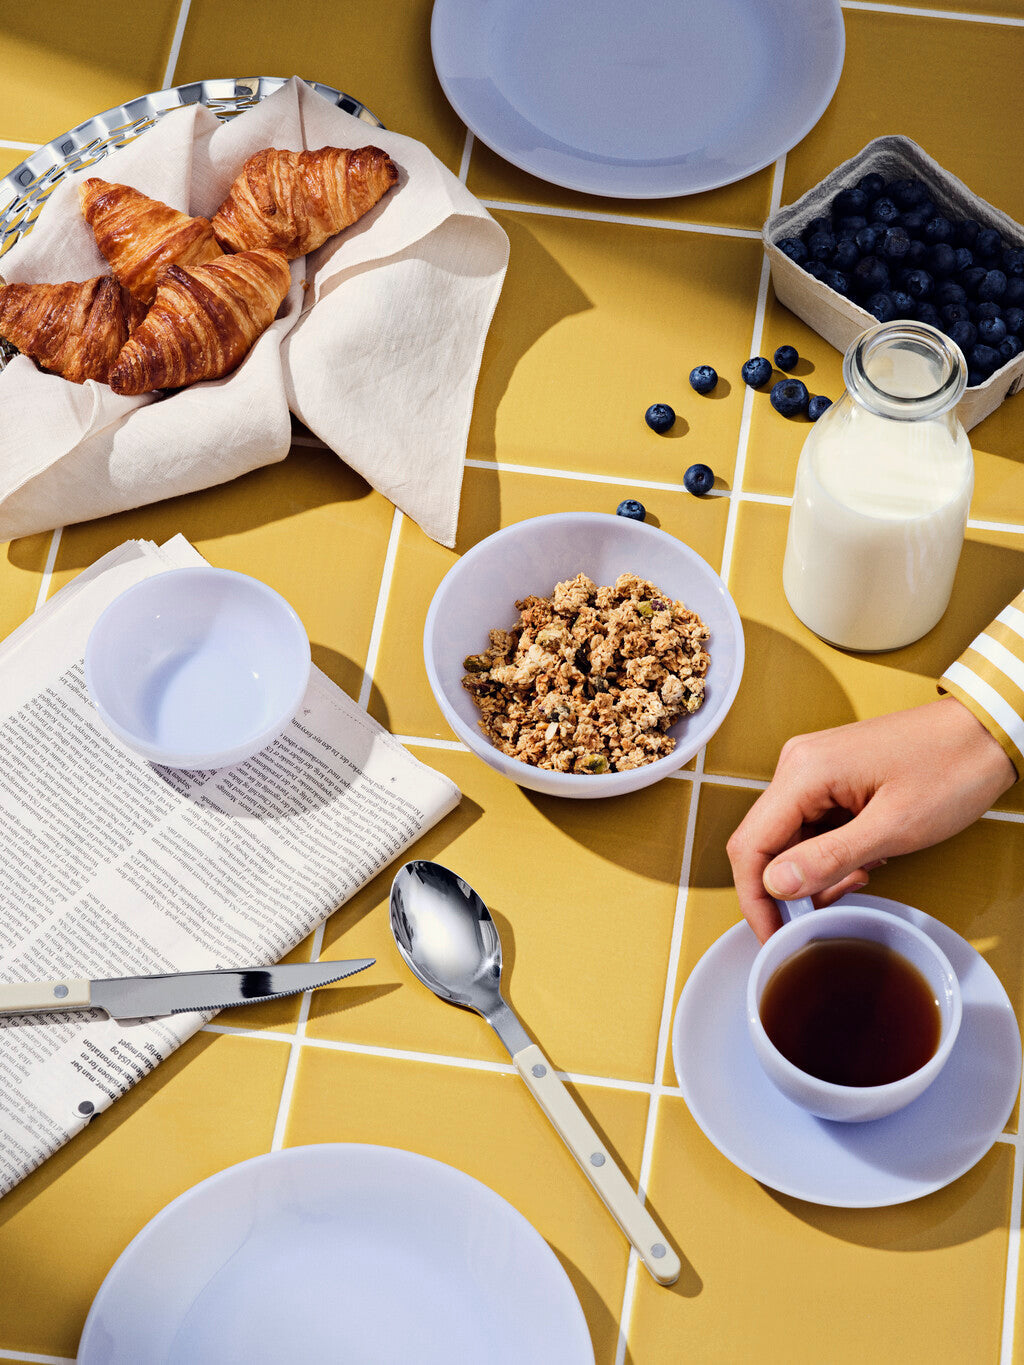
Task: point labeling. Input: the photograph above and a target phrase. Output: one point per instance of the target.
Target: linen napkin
(376, 347)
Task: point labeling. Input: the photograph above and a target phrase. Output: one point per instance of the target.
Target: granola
(590, 679)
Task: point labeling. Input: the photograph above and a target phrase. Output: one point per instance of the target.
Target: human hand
(908, 780)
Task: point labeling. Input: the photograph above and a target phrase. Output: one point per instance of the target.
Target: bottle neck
(907, 371)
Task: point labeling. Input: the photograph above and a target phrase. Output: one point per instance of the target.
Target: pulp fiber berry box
(839, 320)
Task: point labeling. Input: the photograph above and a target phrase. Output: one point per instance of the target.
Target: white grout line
(467, 152)
(51, 560)
(962, 16)
(297, 1039)
(387, 573)
(179, 33)
(34, 1359)
(623, 220)
(1012, 1262)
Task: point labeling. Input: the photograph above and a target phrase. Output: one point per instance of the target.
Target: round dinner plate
(337, 1252)
(642, 100)
(847, 1165)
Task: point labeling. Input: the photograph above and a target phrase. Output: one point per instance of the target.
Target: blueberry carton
(889, 234)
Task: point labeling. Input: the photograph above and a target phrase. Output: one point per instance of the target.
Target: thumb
(823, 861)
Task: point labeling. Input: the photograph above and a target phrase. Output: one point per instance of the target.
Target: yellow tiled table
(605, 906)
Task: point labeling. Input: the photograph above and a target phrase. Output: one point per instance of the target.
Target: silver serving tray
(25, 190)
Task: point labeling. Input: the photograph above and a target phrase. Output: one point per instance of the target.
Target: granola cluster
(590, 679)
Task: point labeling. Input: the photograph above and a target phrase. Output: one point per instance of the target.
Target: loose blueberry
(954, 313)
(867, 240)
(789, 396)
(850, 201)
(817, 405)
(846, 254)
(984, 359)
(967, 232)
(659, 417)
(972, 277)
(816, 269)
(927, 312)
(882, 306)
(1010, 347)
(895, 244)
(884, 210)
(793, 248)
(993, 286)
(786, 357)
(904, 304)
(992, 331)
(1012, 262)
(988, 242)
(632, 509)
(837, 281)
(989, 309)
(1014, 295)
(757, 371)
(1014, 319)
(820, 246)
(703, 378)
(963, 259)
(948, 291)
(913, 221)
(917, 283)
(942, 259)
(872, 184)
(909, 193)
(965, 334)
(918, 254)
(699, 479)
(870, 275)
(938, 229)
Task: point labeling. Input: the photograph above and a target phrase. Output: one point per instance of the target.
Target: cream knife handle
(33, 997)
(598, 1164)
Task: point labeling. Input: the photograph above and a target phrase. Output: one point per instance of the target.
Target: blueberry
(789, 396)
(1012, 261)
(817, 225)
(1014, 319)
(836, 280)
(636, 511)
(918, 254)
(882, 306)
(894, 245)
(988, 243)
(884, 210)
(942, 259)
(948, 291)
(963, 259)
(816, 269)
(817, 405)
(703, 379)
(965, 334)
(953, 313)
(927, 312)
(699, 479)
(867, 240)
(1010, 347)
(909, 193)
(850, 201)
(820, 245)
(757, 371)
(1014, 295)
(984, 359)
(904, 304)
(786, 357)
(846, 254)
(870, 275)
(938, 229)
(974, 379)
(967, 230)
(993, 286)
(972, 277)
(872, 184)
(850, 222)
(992, 331)
(793, 248)
(917, 283)
(988, 309)
(659, 417)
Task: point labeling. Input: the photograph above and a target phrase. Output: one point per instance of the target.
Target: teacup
(862, 1010)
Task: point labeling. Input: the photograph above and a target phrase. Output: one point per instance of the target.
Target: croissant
(202, 322)
(139, 236)
(74, 329)
(294, 201)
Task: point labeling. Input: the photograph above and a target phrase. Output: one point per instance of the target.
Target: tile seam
(295, 1052)
(1012, 1273)
(915, 12)
(176, 38)
(619, 219)
(380, 611)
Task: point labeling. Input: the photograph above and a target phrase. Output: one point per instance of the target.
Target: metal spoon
(447, 937)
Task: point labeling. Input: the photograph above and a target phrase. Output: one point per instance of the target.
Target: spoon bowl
(449, 941)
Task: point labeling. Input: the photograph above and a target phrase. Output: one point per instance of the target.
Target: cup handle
(792, 910)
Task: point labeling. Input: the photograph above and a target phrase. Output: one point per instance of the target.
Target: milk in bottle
(882, 492)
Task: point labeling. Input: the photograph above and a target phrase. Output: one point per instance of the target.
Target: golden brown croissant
(202, 322)
(294, 201)
(74, 330)
(140, 236)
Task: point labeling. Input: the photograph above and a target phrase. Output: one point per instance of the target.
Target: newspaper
(113, 866)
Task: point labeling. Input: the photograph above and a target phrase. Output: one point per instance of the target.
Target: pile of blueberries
(888, 246)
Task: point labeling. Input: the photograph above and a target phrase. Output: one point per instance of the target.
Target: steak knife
(145, 997)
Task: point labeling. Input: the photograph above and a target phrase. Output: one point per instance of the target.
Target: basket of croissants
(188, 297)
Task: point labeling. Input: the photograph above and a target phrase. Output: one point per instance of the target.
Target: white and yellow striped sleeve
(989, 679)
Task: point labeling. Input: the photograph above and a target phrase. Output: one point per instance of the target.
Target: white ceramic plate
(639, 100)
(337, 1252)
(847, 1165)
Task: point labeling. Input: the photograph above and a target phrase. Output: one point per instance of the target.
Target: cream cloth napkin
(376, 347)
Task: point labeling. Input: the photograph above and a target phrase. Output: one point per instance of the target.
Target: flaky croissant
(74, 329)
(294, 201)
(203, 322)
(140, 236)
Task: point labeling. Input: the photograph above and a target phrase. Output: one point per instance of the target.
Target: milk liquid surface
(877, 525)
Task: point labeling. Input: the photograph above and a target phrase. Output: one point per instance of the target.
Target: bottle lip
(900, 406)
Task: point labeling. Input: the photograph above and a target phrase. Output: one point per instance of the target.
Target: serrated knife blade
(145, 997)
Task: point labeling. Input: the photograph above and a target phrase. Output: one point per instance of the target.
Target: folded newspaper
(116, 867)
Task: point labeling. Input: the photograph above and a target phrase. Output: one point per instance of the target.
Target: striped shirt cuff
(988, 679)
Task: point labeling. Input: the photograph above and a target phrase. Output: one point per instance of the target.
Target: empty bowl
(197, 667)
(480, 591)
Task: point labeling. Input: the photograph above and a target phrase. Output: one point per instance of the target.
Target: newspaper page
(113, 866)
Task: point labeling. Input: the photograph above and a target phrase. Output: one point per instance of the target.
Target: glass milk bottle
(882, 491)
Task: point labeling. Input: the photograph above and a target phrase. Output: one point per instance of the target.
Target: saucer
(846, 1165)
